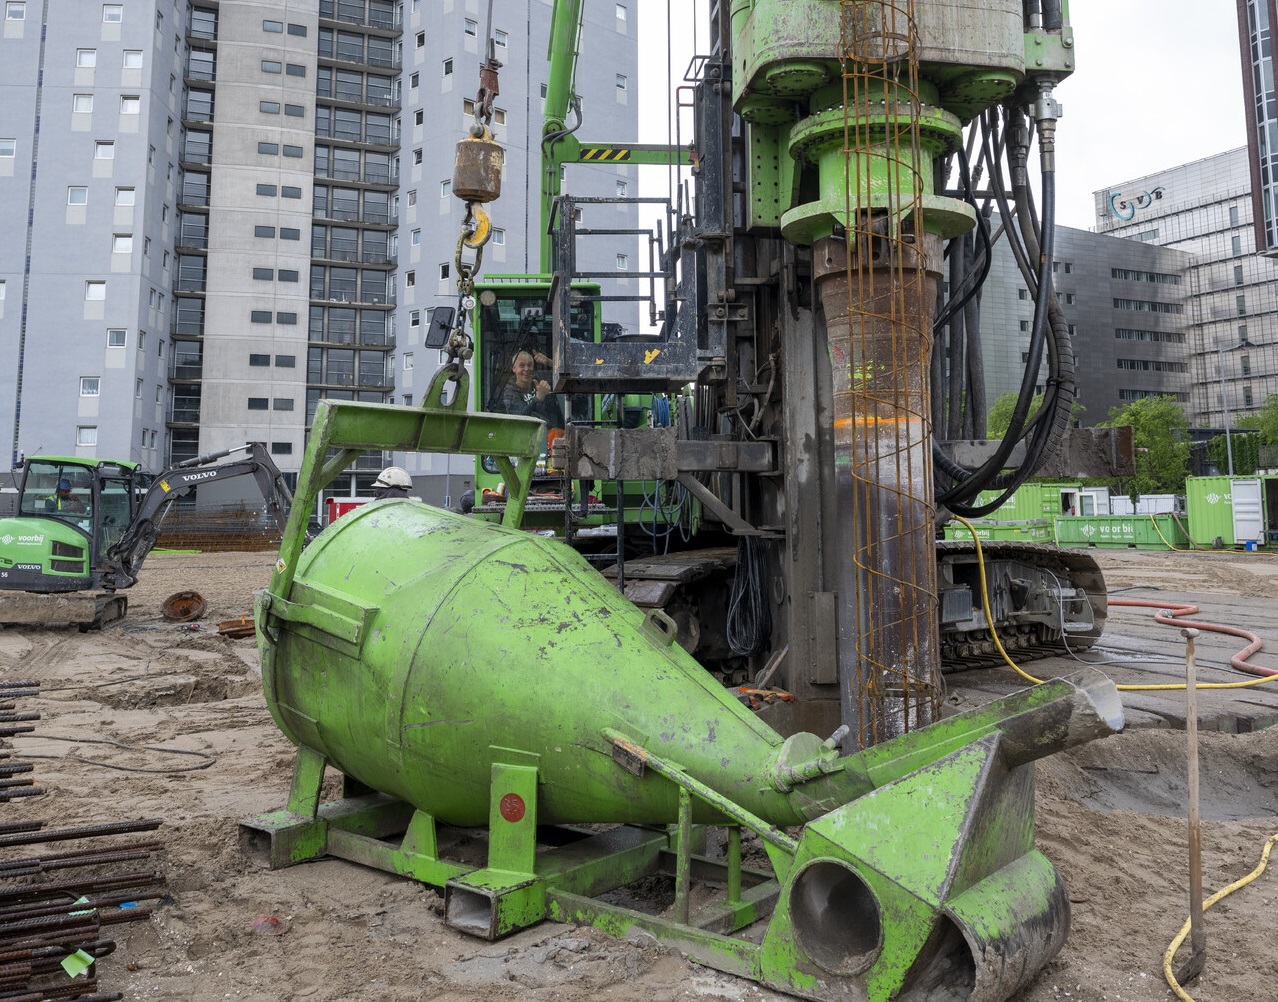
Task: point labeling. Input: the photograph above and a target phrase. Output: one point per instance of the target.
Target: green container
(1142, 532)
(1038, 531)
(1032, 501)
(1210, 508)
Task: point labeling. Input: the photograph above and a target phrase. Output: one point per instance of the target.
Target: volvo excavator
(83, 527)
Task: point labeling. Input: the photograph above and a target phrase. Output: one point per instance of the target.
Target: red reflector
(512, 807)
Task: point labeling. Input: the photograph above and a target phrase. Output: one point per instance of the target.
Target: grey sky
(1158, 85)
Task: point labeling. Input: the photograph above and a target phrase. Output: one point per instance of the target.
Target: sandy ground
(1110, 817)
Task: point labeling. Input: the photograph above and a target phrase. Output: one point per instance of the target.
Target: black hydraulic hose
(969, 285)
(1053, 17)
(1038, 337)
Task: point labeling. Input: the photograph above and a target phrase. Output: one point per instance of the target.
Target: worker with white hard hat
(392, 482)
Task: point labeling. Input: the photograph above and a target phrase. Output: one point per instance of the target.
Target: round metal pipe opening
(836, 917)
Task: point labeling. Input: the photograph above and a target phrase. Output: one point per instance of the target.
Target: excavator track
(966, 642)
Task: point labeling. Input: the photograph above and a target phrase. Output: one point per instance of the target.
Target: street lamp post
(1224, 397)
(1224, 403)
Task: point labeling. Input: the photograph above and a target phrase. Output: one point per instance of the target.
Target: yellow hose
(1161, 687)
(1224, 892)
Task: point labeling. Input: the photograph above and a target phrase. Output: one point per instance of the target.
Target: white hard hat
(393, 476)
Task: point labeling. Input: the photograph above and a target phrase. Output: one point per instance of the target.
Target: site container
(1038, 531)
(1036, 500)
(1143, 532)
(1235, 510)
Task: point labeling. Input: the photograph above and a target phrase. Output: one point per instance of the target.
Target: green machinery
(468, 675)
(83, 527)
(461, 674)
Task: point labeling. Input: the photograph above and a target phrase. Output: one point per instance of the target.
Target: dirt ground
(1110, 817)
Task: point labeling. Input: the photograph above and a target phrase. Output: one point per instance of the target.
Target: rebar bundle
(51, 928)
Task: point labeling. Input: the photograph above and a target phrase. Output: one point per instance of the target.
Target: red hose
(1170, 613)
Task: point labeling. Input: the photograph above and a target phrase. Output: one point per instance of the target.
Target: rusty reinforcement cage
(878, 286)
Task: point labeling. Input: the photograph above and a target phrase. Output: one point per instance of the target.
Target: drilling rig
(479, 677)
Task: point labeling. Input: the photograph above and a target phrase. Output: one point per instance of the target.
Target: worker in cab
(62, 499)
(528, 396)
(392, 482)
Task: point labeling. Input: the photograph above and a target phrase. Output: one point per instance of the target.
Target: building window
(621, 12)
(260, 316)
(266, 189)
(263, 274)
(126, 196)
(417, 158)
(122, 243)
(295, 110)
(259, 403)
(416, 238)
(77, 196)
(414, 80)
(274, 27)
(104, 150)
(1241, 302)
(289, 191)
(1247, 398)
(282, 403)
(116, 337)
(1022, 293)
(1233, 215)
(410, 279)
(85, 58)
(290, 233)
(408, 361)
(444, 272)
(268, 147)
(621, 81)
(292, 151)
(411, 196)
(86, 435)
(295, 70)
(89, 386)
(499, 237)
(82, 104)
(623, 262)
(421, 39)
(415, 318)
(141, 340)
(471, 27)
(1025, 326)
(1245, 363)
(95, 291)
(1236, 245)
(448, 69)
(1242, 333)
(8, 148)
(259, 359)
(272, 66)
(15, 10)
(281, 448)
(621, 189)
(418, 116)
(285, 361)
(112, 13)
(297, 29)
(132, 59)
(1069, 299)
(264, 231)
(130, 104)
(268, 107)
(287, 319)
(286, 275)
(499, 38)
(1238, 274)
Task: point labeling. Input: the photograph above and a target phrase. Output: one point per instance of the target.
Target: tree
(1161, 433)
(1245, 447)
(1000, 416)
(1267, 420)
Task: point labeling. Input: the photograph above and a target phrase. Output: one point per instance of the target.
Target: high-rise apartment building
(1205, 209)
(1255, 20)
(222, 211)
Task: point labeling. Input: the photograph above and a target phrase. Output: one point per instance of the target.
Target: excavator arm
(125, 558)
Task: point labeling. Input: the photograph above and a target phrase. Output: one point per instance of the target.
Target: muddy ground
(1110, 817)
